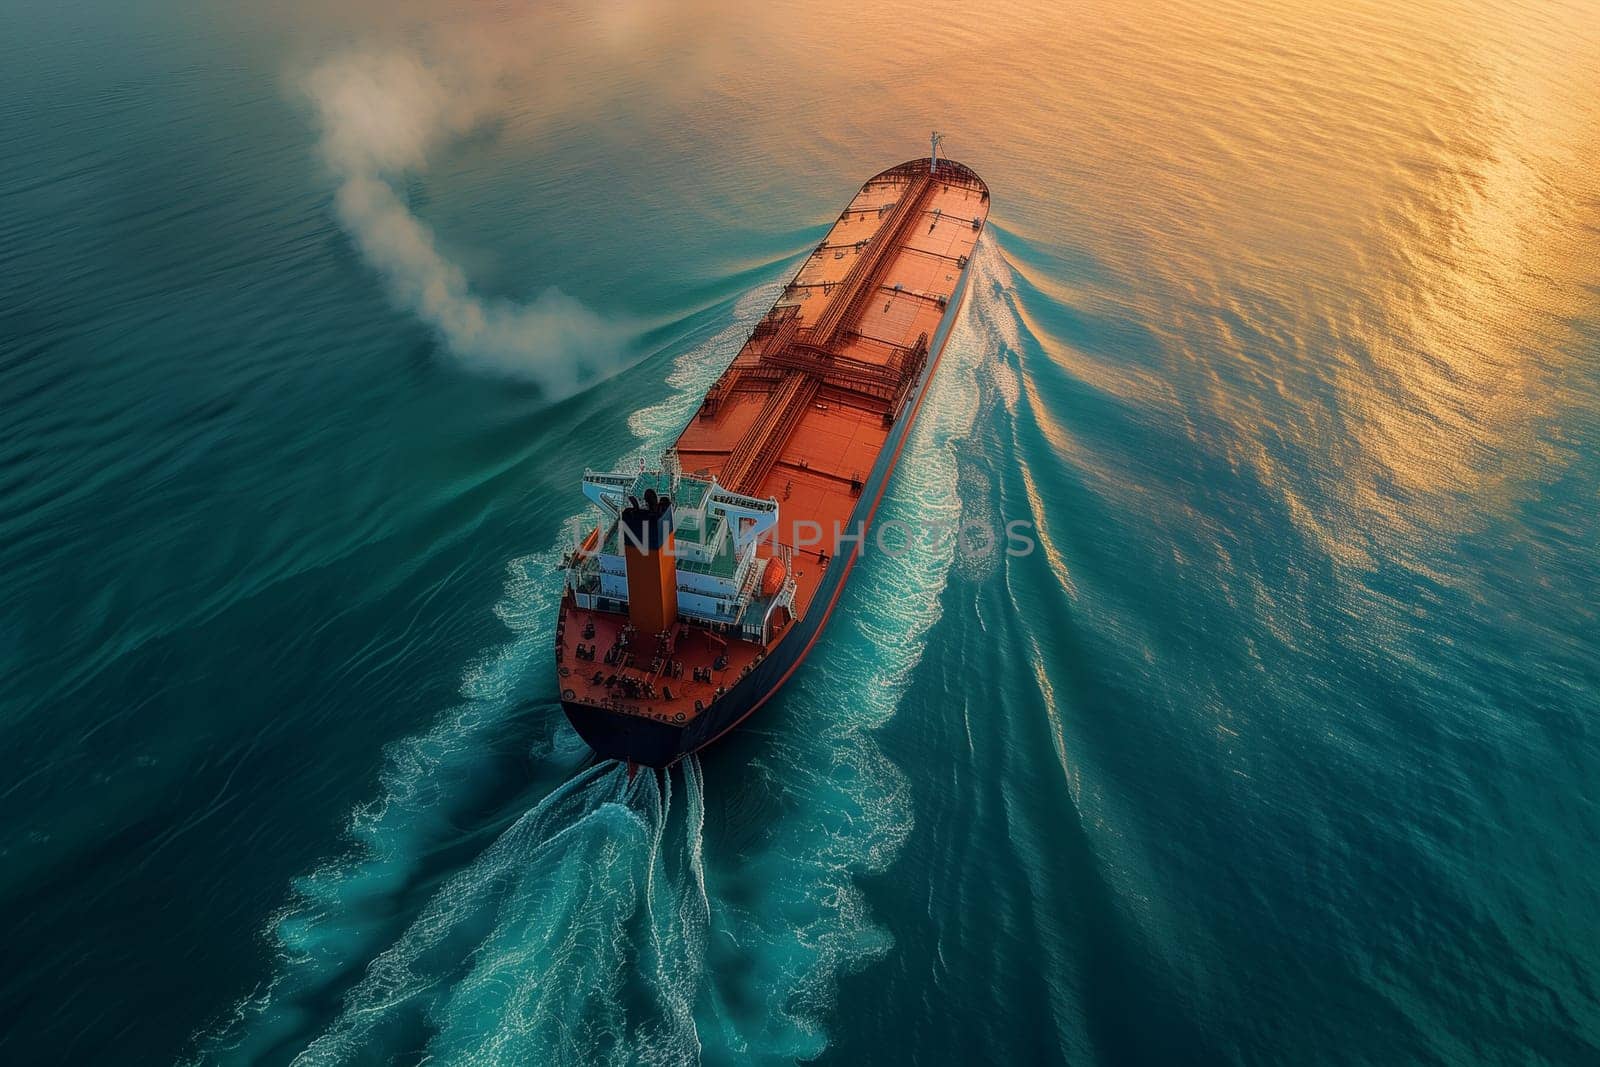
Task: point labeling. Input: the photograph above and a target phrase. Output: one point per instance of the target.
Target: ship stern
(630, 738)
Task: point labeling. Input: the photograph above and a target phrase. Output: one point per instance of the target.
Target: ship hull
(651, 743)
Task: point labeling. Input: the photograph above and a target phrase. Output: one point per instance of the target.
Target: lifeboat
(589, 543)
(772, 580)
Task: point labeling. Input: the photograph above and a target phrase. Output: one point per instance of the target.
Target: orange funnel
(647, 551)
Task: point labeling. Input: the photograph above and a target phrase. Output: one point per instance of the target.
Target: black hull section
(650, 743)
(613, 735)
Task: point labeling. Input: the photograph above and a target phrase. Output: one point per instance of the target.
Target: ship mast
(934, 140)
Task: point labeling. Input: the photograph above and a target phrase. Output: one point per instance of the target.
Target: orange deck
(804, 409)
(841, 431)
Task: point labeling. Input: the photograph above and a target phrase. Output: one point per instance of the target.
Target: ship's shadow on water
(499, 908)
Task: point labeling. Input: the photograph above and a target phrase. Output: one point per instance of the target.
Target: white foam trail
(992, 305)
(584, 830)
(993, 316)
(586, 934)
(382, 115)
(802, 920)
(578, 937)
(328, 926)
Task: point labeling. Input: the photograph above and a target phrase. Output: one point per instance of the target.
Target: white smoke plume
(382, 114)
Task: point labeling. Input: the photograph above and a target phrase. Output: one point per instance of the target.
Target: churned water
(1280, 746)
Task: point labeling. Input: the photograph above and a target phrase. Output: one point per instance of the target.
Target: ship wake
(344, 913)
(577, 937)
(600, 926)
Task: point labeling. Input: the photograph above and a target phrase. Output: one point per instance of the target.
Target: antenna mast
(934, 141)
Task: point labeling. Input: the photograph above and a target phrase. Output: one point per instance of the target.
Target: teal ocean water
(1285, 336)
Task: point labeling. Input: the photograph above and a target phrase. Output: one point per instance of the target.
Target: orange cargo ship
(710, 577)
